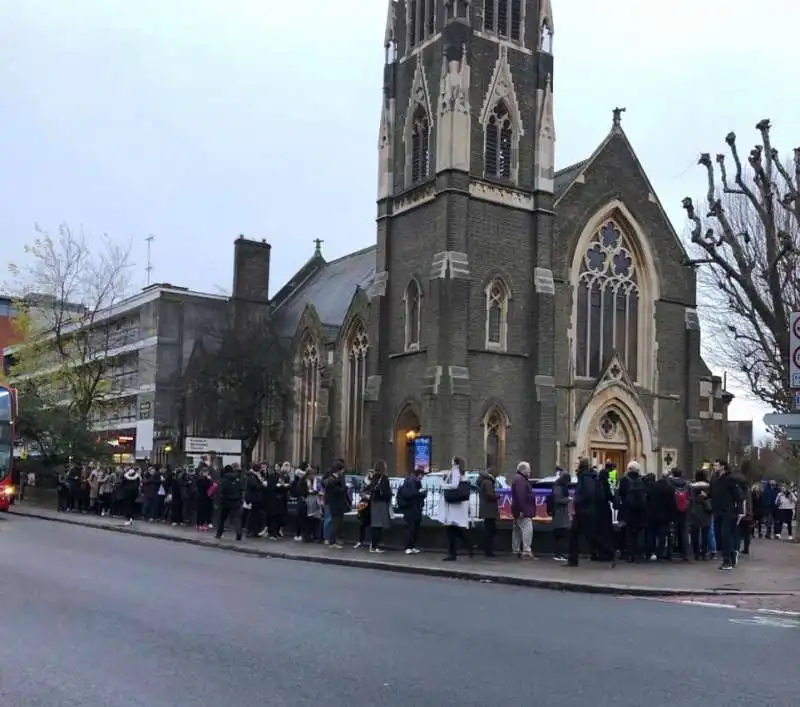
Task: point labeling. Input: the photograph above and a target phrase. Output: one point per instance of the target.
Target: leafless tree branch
(747, 250)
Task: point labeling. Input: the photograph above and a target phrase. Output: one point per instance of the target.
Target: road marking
(707, 604)
(773, 622)
(779, 612)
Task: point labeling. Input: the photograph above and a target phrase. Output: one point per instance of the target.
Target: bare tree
(748, 252)
(236, 383)
(65, 291)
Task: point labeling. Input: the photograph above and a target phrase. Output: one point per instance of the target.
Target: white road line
(708, 604)
(720, 605)
(778, 612)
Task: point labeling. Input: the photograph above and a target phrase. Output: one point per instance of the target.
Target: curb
(442, 573)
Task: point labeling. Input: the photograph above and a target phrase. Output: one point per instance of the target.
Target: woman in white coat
(456, 490)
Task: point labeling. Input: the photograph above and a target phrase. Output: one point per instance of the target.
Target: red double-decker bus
(8, 413)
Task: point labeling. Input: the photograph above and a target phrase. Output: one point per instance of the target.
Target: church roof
(565, 177)
(329, 288)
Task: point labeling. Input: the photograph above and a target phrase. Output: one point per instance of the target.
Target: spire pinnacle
(617, 120)
(318, 247)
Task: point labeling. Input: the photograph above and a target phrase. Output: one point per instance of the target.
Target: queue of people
(713, 514)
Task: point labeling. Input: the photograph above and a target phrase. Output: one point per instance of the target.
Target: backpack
(681, 500)
(636, 498)
(404, 493)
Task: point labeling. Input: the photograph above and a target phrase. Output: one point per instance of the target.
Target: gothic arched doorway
(406, 430)
(611, 440)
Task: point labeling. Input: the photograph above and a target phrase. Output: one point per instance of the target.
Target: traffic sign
(793, 434)
(774, 419)
(794, 350)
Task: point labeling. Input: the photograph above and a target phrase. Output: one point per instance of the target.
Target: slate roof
(329, 288)
(564, 177)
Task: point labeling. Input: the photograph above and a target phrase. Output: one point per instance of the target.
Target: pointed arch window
(354, 383)
(504, 18)
(546, 37)
(608, 302)
(420, 21)
(497, 297)
(498, 144)
(495, 427)
(413, 309)
(306, 413)
(420, 145)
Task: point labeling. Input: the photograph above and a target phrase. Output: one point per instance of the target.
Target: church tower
(462, 312)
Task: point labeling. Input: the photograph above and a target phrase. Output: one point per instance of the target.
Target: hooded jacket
(700, 504)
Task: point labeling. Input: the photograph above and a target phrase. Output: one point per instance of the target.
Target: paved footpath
(770, 577)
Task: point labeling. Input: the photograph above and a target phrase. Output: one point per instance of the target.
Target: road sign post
(774, 419)
(794, 350)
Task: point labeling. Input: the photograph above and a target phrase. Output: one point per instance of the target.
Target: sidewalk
(773, 569)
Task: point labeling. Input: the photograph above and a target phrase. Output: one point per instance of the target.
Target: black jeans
(301, 519)
(489, 532)
(130, 506)
(230, 511)
(680, 532)
(205, 510)
(724, 527)
(375, 537)
(363, 524)
(582, 528)
(560, 542)
(783, 517)
(336, 527)
(744, 535)
(633, 540)
(456, 534)
(255, 520)
(699, 538)
(412, 531)
(274, 524)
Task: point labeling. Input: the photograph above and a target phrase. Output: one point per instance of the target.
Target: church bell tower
(465, 194)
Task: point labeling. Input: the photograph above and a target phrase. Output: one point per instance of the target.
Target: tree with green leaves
(55, 432)
(747, 252)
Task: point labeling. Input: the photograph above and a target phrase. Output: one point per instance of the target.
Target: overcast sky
(198, 120)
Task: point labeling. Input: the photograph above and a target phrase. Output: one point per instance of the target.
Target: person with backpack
(230, 501)
(700, 516)
(633, 509)
(410, 502)
(584, 516)
(680, 522)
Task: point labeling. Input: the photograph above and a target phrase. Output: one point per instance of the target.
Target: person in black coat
(411, 501)
(605, 548)
(230, 501)
(336, 501)
(277, 500)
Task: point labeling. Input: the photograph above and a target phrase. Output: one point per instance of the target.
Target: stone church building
(507, 309)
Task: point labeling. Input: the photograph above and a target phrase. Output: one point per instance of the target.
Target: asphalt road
(98, 619)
